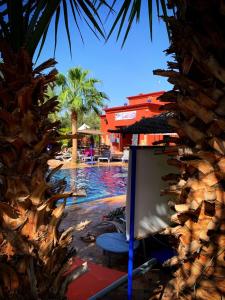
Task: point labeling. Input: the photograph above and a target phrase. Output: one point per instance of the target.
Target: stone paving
(85, 217)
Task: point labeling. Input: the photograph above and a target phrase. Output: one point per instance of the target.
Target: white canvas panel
(151, 210)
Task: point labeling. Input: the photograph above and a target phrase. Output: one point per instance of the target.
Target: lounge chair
(87, 158)
(106, 156)
(64, 156)
(80, 156)
(116, 218)
(67, 156)
(125, 156)
(59, 157)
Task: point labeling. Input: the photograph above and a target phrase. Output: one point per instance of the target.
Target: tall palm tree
(34, 253)
(79, 95)
(197, 32)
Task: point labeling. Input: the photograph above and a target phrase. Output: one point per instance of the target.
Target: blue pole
(91, 153)
(133, 150)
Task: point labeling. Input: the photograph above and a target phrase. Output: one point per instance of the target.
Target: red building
(139, 106)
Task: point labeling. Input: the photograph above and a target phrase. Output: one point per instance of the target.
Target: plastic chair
(106, 155)
(125, 156)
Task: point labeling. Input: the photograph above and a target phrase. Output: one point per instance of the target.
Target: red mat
(88, 284)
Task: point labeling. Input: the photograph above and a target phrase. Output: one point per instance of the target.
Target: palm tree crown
(79, 92)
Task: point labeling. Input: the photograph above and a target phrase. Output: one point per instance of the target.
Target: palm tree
(79, 95)
(34, 253)
(198, 103)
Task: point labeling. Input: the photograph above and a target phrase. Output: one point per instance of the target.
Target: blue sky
(123, 72)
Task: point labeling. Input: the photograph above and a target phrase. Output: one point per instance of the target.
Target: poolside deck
(70, 165)
(85, 217)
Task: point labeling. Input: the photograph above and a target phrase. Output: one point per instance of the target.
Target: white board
(151, 210)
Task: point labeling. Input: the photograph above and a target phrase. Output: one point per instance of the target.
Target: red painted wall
(143, 105)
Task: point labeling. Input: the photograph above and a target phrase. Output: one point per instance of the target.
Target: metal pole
(133, 150)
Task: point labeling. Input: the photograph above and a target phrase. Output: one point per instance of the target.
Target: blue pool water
(98, 182)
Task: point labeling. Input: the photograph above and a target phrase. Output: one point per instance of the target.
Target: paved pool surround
(53, 163)
(85, 217)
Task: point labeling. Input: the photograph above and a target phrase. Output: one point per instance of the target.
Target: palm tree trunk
(198, 189)
(74, 131)
(34, 254)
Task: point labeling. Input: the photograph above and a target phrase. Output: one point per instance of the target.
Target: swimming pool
(99, 182)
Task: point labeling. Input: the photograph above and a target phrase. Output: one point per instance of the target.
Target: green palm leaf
(25, 23)
(130, 10)
(75, 20)
(79, 92)
(67, 24)
(56, 27)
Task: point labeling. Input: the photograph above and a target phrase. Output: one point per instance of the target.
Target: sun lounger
(87, 158)
(116, 218)
(106, 156)
(125, 156)
(59, 157)
(80, 156)
(120, 227)
(64, 156)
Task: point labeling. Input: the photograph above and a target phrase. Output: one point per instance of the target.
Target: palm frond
(4, 28)
(26, 23)
(122, 13)
(33, 19)
(90, 13)
(164, 9)
(75, 19)
(60, 80)
(42, 42)
(67, 24)
(28, 10)
(80, 93)
(130, 11)
(15, 21)
(82, 17)
(56, 27)
(135, 10)
(38, 28)
(150, 17)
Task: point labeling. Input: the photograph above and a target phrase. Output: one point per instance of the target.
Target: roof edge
(147, 104)
(147, 94)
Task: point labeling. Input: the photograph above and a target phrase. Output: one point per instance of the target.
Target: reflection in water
(99, 182)
(72, 179)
